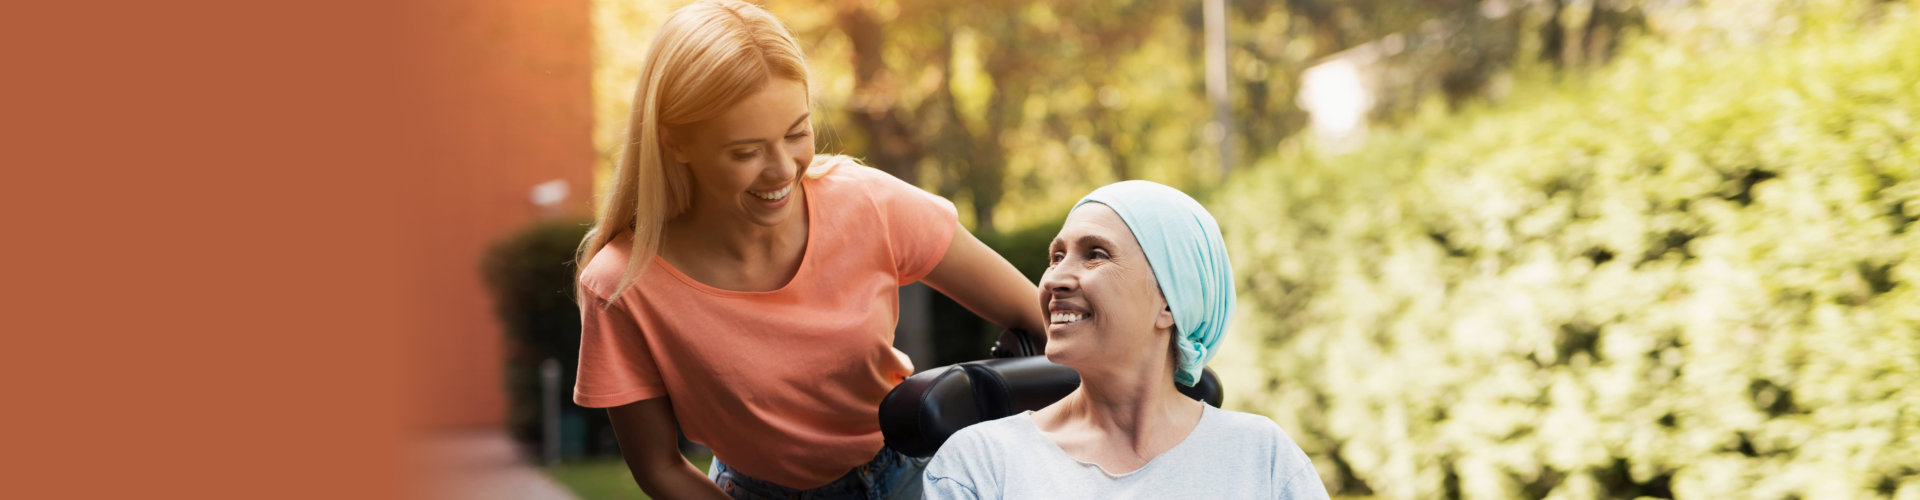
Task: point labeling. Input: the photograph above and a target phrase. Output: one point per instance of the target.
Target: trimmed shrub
(1686, 275)
(959, 335)
(530, 274)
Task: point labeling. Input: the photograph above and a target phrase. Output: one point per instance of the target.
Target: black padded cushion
(928, 407)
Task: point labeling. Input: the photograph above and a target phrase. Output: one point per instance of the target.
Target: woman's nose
(1060, 278)
(779, 165)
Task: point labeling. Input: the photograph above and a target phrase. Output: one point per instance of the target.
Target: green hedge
(958, 335)
(1691, 274)
(530, 276)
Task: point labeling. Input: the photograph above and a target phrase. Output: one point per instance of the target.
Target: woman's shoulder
(1249, 430)
(843, 169)
(844, 175)
(994, 434)
(607, 266)
(987, 443)
(1248, 423)
(1258, 436)
(976, 458)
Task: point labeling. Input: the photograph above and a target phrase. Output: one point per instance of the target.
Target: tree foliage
(1691, 274)
(1010, 107)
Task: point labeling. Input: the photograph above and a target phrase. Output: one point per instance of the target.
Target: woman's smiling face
(1103, 305)
(748, 161)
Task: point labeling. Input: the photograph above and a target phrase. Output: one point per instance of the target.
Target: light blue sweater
(1228, 455)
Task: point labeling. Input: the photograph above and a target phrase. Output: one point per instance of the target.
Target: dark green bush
(530, 274)
(1694, 274)
(959, 335)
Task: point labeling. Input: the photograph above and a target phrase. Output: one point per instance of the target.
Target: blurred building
(513, 84)
(1456, 58)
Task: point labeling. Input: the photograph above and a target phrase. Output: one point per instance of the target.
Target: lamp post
(1215, 14)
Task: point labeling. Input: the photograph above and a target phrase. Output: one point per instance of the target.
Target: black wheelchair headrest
(928, 407)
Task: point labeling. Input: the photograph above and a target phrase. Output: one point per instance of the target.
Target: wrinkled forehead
(1098, 220)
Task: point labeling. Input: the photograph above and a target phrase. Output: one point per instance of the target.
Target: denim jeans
(889, 476)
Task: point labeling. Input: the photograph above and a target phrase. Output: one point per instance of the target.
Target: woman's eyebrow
(796, 123)
(1094, 240)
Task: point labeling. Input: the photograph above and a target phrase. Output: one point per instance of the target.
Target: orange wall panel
(510, 84)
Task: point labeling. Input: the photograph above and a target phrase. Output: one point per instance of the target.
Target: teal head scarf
(1189, 261)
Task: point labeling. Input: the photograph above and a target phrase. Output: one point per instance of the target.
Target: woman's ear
(675, 148)
(1163, 319)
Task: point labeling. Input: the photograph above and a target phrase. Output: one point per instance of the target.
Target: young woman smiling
(742, 290)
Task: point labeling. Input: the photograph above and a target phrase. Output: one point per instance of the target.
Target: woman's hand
(650, 441)
(981, 280)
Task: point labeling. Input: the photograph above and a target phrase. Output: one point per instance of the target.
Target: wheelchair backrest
(928, 407)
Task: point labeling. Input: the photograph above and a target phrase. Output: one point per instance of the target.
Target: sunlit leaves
(1695, 273)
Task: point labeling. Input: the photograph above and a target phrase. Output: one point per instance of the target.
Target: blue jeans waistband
(889, 475)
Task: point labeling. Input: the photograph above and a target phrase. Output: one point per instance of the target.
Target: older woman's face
(1103, 305)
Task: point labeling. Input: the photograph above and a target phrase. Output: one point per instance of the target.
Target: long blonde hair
(706, 57)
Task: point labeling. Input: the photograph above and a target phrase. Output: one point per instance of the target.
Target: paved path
(481, 466)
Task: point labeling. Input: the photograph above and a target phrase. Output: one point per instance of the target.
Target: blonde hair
(706, 57)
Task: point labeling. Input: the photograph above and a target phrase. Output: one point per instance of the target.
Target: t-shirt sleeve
(919, 224)
(946, 488)
(1305, 485)
(616, 367)
(1293, 472)
(957, 470)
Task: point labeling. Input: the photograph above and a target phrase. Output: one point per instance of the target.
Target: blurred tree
(892, 144)
(992, 101)
(954, 84)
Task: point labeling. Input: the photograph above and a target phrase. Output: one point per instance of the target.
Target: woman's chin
(1060, 353)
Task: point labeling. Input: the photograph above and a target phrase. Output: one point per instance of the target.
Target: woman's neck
(1138, 413)
(703, 234)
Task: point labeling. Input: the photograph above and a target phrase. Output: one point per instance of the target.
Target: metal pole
(550, 411)
(1215, 13)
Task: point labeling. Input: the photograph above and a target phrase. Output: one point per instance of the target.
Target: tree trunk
(891, 145)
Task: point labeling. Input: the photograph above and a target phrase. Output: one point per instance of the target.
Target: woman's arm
(650, 441)
(984, 282)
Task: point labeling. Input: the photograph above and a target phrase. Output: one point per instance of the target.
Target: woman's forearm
(680, 480)
(981, 280)
(649, 442)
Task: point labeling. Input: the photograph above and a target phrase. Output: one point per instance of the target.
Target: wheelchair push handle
(1014, 343)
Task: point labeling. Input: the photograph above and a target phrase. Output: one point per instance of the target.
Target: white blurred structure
(1220, 132)
(1390, 76)
(550, 195)
(1337, 100)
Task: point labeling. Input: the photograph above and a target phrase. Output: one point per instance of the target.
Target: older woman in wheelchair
(1139, 292)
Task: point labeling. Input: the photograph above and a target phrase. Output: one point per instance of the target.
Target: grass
(605, 477)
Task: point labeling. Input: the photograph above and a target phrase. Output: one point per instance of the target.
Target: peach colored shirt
(784, 385)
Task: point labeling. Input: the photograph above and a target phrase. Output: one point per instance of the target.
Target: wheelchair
(928, 407)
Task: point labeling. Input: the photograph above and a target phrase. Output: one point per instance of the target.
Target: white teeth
(1063, 318)
(773, 195)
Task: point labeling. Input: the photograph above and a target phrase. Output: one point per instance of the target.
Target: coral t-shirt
(784, 385)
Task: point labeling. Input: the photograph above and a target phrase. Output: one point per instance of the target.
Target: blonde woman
(740, 289)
